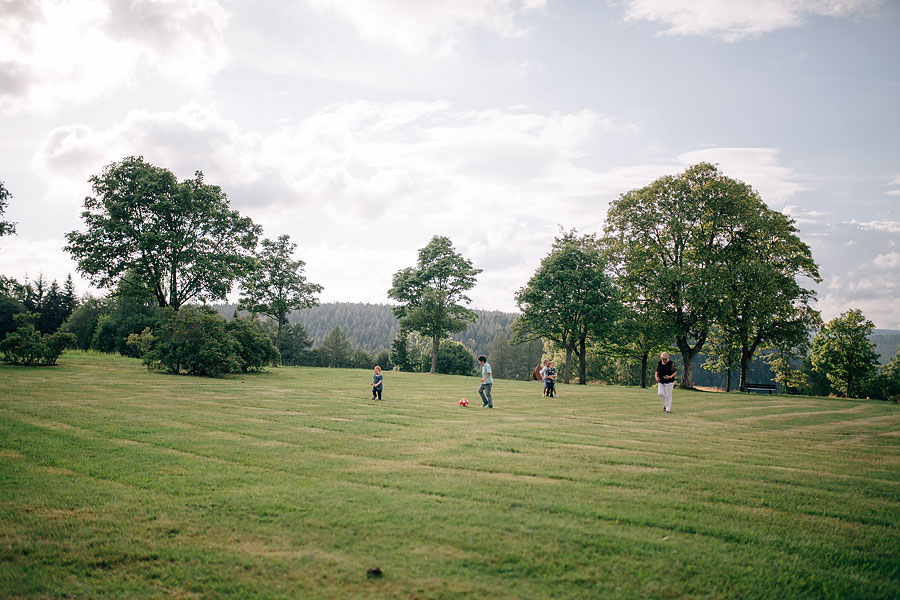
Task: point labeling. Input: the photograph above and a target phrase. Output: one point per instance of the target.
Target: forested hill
(373, 326)
(887, 342)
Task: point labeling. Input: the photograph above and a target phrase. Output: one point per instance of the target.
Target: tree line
(694, 262)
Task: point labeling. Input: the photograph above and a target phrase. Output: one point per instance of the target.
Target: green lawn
(116, 482)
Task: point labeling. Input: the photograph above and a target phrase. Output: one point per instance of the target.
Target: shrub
(454, 359)
(194, 341)
(255, 347)
(26, 346)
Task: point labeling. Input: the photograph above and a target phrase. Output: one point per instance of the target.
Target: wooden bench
(760, 388)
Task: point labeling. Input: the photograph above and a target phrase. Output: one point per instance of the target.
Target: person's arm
(657, 375)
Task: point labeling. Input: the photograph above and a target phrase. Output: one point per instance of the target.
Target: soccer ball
(463, 402)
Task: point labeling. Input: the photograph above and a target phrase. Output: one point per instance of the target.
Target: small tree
(724, 354)
(295, 346)
(336, 350)
(568, 299)
(431, 294)
(277, 285)
(843, 352)
(400, 352)
(455, 359)
(887, 384)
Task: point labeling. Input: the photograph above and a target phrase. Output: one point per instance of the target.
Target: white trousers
(664, 390)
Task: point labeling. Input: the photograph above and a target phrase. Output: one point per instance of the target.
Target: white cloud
(57, 51)
(888, 261)
(878, 309)
(734, 20)
(382, 176)
(429, 26)
(883, 225)
(757, 167)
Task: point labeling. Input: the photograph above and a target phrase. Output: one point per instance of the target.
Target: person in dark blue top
(376, 383)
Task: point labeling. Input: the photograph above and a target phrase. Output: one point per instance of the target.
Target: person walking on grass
(665, 380)
(377, 383)
(487, 381)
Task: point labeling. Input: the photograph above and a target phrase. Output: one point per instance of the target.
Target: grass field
(120, 483)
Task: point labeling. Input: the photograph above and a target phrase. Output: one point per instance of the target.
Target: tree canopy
(568, 299)
(431, 294)
(179, 239)
(277, 285)
(843, 352)
(701, 248)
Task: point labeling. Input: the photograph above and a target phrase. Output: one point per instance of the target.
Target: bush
(193, 341)
(26, 346)
(454, 359)
(256, 349)
(198, 341)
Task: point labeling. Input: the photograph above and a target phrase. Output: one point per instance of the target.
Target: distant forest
(372, 327)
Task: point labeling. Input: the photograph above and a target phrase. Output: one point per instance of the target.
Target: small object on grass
(463, 402)
(373, 573)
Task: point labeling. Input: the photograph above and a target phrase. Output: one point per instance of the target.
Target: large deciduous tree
(178, 239)
(431, 294)
(569, 299)
(691, 245)
(277, 285)
(843, 352)
(762, 264)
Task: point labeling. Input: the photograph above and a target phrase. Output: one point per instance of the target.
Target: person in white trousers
(665, 380)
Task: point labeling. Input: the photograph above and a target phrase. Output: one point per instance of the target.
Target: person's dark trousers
(486, 387)
(376, 391)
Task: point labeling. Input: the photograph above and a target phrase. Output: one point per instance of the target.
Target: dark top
(376, 381)
(665, 372)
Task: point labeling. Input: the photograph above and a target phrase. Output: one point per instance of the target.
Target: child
(376, 383)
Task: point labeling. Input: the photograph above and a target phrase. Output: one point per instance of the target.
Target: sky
(363, 128)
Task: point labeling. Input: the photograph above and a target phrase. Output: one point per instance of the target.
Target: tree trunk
(279, 332)
(728, 379)
(281, 321)
(746, 357)
(435, 344)
(567, 376)
(644, 369)
(745, 365)
(687, 356)
(582, 359)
